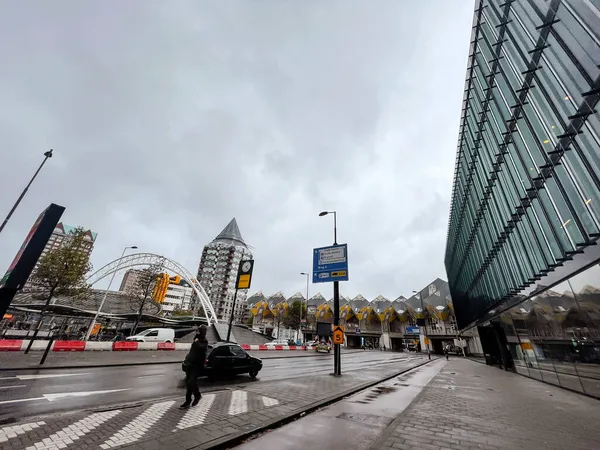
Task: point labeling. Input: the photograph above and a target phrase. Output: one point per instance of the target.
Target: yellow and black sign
(338, 334)
(340, 273)
(244, 276)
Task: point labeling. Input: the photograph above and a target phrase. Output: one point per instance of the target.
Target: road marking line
(58, 396)
(13, 387)
(268, 401)
(74, 432)
(150, 376)
(49, 375)
(52, 397)
(197, 415)
(238, 403)
(7, 433)
(20, 400)
(136, 429)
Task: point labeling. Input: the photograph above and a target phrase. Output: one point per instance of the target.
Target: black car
(226, 359)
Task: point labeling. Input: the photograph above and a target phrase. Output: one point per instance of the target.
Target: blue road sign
(330, 264)
(412, 330)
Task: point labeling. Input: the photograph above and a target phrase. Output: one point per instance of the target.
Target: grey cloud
(170, 118)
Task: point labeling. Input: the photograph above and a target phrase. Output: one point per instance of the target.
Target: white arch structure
(148, 259)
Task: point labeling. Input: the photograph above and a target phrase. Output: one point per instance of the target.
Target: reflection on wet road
(28, 393)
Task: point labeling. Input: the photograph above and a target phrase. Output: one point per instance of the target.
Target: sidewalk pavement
(69, 360)
(222, 418)
(469, 405)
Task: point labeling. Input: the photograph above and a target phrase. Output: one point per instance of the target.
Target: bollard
(48, 347)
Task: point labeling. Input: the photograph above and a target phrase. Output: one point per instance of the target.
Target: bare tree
(62, 271)
(141, 292)
(279, 314)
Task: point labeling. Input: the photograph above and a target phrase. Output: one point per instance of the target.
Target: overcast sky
(170, 118)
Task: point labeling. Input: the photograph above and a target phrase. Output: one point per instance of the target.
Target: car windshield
(143, 333)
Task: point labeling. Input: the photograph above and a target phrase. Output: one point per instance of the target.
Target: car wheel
(253, 374)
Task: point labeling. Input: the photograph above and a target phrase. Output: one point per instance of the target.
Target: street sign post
(338, 335)
(330, 264)
(243, 281)
(412, 330)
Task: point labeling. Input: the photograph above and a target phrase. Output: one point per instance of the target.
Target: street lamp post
(337, 360)
(302, 304)
(47, 155)
(91, 327)
(424, 323)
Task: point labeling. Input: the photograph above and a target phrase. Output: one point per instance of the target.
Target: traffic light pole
(337, 356)
(337, 350)
(231, 316)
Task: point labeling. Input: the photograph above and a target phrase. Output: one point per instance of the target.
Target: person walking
(193, 366)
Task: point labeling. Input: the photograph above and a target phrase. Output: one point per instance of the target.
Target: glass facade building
(522, 255)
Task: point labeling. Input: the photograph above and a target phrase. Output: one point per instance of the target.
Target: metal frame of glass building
(525, 212)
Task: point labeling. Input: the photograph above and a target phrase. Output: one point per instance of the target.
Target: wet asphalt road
(37, 393)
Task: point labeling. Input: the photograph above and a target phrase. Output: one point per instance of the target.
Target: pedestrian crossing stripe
(74, 432)
(196, 415)
(139, 426)
(239, 403)
(13, 431)
(268, 401)
(136, 429)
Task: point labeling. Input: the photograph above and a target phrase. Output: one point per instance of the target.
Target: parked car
(277, 342)
(154, 335)
(323, 347)
(225, 359)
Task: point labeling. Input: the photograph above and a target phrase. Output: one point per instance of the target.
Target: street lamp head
(323, 213)
(303, 273)
(133, 247)
(48, 154)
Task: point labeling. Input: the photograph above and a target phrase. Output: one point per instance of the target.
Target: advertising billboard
(22, 265)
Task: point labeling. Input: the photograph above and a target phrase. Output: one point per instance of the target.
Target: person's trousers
(191, 384)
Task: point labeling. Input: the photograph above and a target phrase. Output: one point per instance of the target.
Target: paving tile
(472, 406)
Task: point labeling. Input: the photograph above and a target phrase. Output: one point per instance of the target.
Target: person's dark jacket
(194, 361)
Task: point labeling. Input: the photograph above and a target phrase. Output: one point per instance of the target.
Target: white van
(154, 335)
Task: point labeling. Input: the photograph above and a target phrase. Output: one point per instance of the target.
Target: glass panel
(586, 12)
(583, 46)
(562, 224)
(554, 59)
(539, 220)
(591, 194)
(582, 325)
(576, 201)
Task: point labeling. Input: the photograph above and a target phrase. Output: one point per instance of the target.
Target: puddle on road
(367, 419)
(376, 392)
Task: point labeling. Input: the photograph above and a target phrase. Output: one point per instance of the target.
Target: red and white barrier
(15, 345)
(257, 348)
(68, 346)
(10, 345)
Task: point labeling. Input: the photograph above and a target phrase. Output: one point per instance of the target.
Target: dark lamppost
(47, 155)
(302, 304)
(337, 360)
